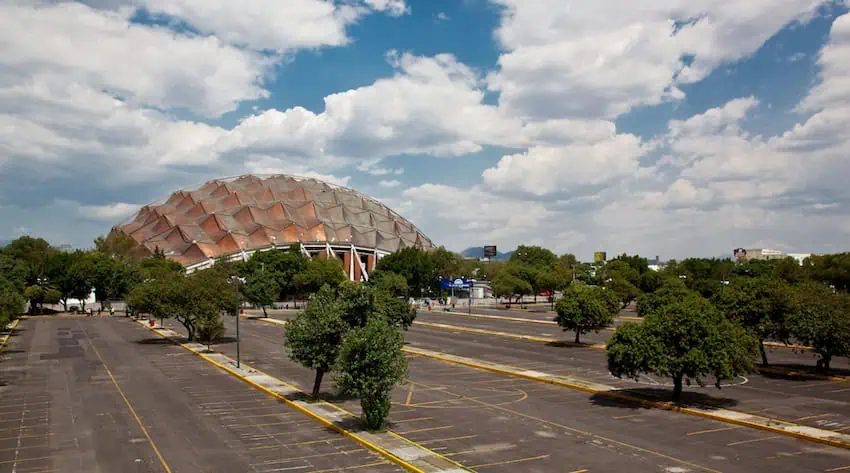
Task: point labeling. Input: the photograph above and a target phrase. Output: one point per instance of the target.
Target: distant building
(747, 254)
(656, 264)
(600, 257)
(800, 257)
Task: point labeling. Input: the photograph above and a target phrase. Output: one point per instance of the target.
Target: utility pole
(236, 280)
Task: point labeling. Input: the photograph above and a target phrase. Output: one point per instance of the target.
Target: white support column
(362, 266)
(351, 264)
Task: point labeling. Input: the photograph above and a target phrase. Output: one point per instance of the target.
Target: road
(491, 422)
(105, 395)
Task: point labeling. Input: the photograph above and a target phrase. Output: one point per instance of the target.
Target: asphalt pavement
(105, 395)
(492, 422)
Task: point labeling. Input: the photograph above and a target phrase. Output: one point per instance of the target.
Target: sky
(660, 127)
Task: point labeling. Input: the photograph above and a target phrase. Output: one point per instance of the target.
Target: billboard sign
(600, 257)
(490, 251)
(459, 283)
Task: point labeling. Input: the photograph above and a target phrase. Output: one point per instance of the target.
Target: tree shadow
(689, 399)
(11, 352)
(568, 344)
(153, 341)
(224, 340)
(799, 372)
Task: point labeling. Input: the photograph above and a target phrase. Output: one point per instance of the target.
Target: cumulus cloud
(604, 58)
(389, 184)
(392, 7)
(108, 213)
(70, 43)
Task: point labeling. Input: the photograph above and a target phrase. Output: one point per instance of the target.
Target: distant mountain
(478, 252)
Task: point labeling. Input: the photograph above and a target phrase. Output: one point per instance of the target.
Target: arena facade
(232, 218)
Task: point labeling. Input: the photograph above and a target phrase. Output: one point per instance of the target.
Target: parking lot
(102, 394)
(492, 422)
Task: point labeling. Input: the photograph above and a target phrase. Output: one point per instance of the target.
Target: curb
(802, 374)
(834, 439)
(11, 329)
(404, 456)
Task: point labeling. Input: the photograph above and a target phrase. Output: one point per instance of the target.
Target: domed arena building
(234, 217)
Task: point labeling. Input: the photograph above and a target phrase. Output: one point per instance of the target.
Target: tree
(11, 302)
(370, 364)
(761, 305)
(650, 281)
(789, 270)
(120, 246)
(390, 282)
(624, 291)
(822, 322)
(33, 253)
(14, 271)
(833, 270)
(315, 335)
(283, 265)
(35, 296)
(411, 263)
(81, 280)
(319, 273)
(507, 285)
(52, 296)
(687, 338)
(533, 256)
(636, 262)
(584, 309)
(552, 280)
(672, 290)
(261, 289)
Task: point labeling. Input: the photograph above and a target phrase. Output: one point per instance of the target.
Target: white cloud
(389, 184)
(70, 43)
(604, 58)
(442, 16)
(568, 170)
(392, 7)
(108, 213)
(266, 24)
(402, 114)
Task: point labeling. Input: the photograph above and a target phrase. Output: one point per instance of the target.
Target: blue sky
(676, 130)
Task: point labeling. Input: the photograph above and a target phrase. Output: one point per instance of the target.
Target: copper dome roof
(226, 216)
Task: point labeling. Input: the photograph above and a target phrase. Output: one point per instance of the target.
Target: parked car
(73, 309)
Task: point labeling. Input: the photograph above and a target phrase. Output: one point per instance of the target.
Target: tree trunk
(677, 387)
(578, 334)
(65, 303)
(826, 359)
(763, 353)
(317, 384)
(265, 314)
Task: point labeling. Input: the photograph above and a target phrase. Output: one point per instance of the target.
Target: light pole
(236, 281)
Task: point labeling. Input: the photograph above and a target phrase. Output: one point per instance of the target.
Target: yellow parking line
(584, 470)
(722, 429)
(409, 396)
(840, 468)
(741, 442)
(509, 462)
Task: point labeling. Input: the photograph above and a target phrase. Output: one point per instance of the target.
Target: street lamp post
(236, 281)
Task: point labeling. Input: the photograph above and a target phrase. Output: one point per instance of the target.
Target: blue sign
(459, 283)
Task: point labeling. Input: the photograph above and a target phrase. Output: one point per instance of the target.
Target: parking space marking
(582, 432)
(347, 468)
(296, 444)
(762, 439)
(426, 429)
(626, 417)
(510, 462)
(127, 402)
(407, 421)
(709, 431)
(813, 417)
(409, 396)
(840, 468)
(462, 437)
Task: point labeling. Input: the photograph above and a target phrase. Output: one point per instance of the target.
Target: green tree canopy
(624, 291)
(35, 296)
(11, 302)
(636, 262)
(762, 305)
(389, 281)
(670, 291)
(370, 364)
(314, 337)
(584, 309)
(318, 273)
(261, 289)
(507, 285)
(535, 256)
(822, 322)
(414, 265)
(833, 270)
(650, 281)
(687, 338)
